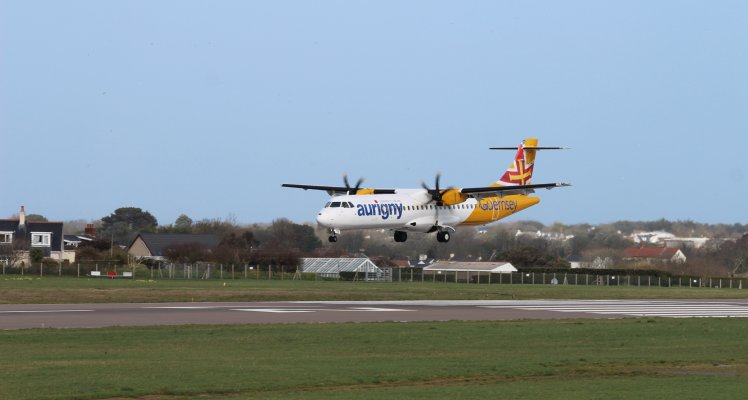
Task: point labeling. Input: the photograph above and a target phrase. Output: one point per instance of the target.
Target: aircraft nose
(324, 219)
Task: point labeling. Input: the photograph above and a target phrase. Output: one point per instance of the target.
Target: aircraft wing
(339, 189)
(488, 191)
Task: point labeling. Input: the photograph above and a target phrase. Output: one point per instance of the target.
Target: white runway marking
(181, 307)
(637, 308)
(41, 311)
(309, 310)
(275, 310)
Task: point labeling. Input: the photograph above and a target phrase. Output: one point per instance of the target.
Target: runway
(103, 315)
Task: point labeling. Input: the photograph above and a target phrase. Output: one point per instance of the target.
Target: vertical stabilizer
(520, 171)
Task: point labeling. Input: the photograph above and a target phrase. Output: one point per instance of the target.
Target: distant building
(24, 236)
(575, 261)
(667, 239)
(653, 237)
(551, 236)
(654, 254)
(691, 243)
(73, 241)
(154, 245)
(400, 263)
(468, 271)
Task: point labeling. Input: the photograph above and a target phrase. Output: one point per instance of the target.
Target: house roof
(493, 266)
(55, 228)
(158, 242)
(401, 263)
(650, 252)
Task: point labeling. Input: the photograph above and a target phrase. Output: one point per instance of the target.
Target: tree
(531, 257)
(236, 248)
(124, 223)
(183, 224)
(187, 252)
(284, 234)
(36, 218)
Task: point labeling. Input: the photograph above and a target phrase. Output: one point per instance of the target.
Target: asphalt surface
(102, 315)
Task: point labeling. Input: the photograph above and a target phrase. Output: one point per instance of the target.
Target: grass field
(602, 359)
(589, 359)
(48, 290)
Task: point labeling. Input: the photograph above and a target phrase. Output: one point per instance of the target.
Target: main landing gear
(443, 236)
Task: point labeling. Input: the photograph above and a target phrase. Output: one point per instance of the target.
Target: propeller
(355, 188)
(436, 192)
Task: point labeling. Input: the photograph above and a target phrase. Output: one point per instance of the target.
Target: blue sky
(206, 108)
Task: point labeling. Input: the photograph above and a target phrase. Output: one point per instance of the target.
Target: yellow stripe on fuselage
(492, 209)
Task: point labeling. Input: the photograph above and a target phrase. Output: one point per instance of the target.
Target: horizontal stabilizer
(530, 148)
(515, 188)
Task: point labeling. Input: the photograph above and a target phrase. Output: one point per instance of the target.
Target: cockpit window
(327, 205)
(346, 205)
(335, 204)
(351, 204)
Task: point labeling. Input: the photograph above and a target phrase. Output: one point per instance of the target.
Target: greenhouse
(331, 267)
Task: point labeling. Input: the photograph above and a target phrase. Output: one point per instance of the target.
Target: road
(102, 315)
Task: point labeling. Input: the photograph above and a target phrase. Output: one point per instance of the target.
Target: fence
(543, 278)
(165, 271)
(269, 272)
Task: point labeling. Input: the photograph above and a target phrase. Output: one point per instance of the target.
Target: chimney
(22, 217)
(90, 230)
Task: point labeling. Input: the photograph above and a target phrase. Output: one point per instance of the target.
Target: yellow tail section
(520, 171)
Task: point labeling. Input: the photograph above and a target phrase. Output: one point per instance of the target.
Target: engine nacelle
(366, 191)
(451, 197)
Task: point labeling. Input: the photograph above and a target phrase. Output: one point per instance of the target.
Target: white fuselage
(408, 210)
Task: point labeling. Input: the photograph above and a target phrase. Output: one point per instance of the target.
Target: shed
(469, 270)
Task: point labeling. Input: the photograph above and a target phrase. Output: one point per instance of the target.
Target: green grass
(17, 290)
(589, 359)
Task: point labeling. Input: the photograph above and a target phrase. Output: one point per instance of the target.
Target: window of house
(41, 239)
(6, 237)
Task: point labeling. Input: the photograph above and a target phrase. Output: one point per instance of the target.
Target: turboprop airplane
(432, 209)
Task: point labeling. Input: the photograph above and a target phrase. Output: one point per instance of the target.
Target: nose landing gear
(333, 238)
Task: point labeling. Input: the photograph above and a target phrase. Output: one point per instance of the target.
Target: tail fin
(520, 172)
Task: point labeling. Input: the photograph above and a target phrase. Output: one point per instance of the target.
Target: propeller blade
(354, 189)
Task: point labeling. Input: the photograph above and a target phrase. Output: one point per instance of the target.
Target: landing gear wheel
(332, 239)
(443, 236)
(401, 236)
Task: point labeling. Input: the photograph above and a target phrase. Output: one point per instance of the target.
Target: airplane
(429, 210)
